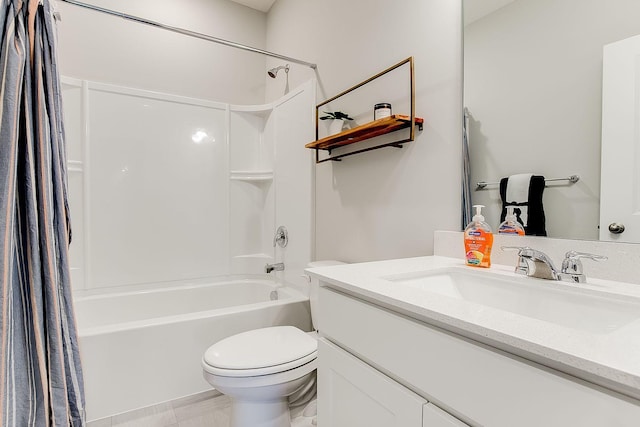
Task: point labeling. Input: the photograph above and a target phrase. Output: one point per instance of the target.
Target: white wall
(533, 78)
(385, 203)
(99, 47)
(474, 9)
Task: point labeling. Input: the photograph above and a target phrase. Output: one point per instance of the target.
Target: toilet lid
(260, 348)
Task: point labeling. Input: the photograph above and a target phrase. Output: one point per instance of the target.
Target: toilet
(261, 368)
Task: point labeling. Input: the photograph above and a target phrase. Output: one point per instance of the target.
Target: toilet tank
(314, 286)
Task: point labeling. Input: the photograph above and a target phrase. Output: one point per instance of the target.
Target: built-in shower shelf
(260, 176)
(255, 256)
(255, 110)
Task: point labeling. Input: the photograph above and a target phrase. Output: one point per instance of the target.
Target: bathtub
(143, 347)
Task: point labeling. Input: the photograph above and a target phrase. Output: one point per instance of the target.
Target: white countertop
(610, 359)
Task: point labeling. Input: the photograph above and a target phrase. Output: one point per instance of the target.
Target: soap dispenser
(478, 240)
(510, 225)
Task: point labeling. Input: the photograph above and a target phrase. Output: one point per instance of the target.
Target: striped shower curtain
(40, 375)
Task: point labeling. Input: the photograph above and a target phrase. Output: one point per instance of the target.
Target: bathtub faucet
(271, 267)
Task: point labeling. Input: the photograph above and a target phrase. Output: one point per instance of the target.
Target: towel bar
(572, 179)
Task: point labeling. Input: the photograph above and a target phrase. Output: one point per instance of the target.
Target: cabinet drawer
(478, 384)
(353, 394)
(433, 416)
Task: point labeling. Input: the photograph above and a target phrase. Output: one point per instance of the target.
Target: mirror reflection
(533, 90)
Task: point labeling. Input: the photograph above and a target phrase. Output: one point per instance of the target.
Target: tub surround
(223, 160)
(610, 359)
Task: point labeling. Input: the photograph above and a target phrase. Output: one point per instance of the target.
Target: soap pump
(478, 240)
(510, 225)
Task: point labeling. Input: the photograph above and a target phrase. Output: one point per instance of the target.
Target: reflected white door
(620, 174)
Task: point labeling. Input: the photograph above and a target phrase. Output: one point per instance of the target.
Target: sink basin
(550, 301)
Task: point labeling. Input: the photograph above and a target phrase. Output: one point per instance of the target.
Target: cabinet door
(353, 394)
(436, 417)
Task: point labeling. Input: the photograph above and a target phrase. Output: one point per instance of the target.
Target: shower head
(274, 71)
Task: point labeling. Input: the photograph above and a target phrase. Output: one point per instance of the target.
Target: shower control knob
(281, 237)
(616, 228)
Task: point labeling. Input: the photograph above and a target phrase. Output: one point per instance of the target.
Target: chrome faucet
(274, 267)
(534, 263)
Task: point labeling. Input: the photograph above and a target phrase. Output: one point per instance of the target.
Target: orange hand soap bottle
(478, 240)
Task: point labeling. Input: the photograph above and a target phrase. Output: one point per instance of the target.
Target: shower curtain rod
(188, 33)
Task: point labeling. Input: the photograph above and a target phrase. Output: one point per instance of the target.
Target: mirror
(533, 91)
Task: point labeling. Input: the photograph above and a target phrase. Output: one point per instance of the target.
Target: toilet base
(253, 413)
(267, 405)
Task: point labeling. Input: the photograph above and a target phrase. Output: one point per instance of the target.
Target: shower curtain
(40, 374)
(466, 214)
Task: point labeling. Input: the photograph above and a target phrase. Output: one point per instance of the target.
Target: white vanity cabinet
(378, 367)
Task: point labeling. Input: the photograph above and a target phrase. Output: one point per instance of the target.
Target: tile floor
(208, 409)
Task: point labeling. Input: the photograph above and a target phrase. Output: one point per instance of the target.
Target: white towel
(518, 192)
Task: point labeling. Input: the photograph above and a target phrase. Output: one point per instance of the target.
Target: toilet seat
(260, 352)
(256, 372)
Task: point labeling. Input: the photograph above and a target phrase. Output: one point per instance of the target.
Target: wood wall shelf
(372, 129)
(368, 130)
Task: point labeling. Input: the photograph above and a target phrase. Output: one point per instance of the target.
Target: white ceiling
(476, 9)
(261, 5)
(473, 9)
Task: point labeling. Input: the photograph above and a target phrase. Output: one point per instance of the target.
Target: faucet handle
(572, 264)
(281, 237)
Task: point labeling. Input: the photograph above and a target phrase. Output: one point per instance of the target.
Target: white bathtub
(144, 347)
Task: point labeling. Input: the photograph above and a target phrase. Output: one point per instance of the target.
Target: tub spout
(274, 267)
